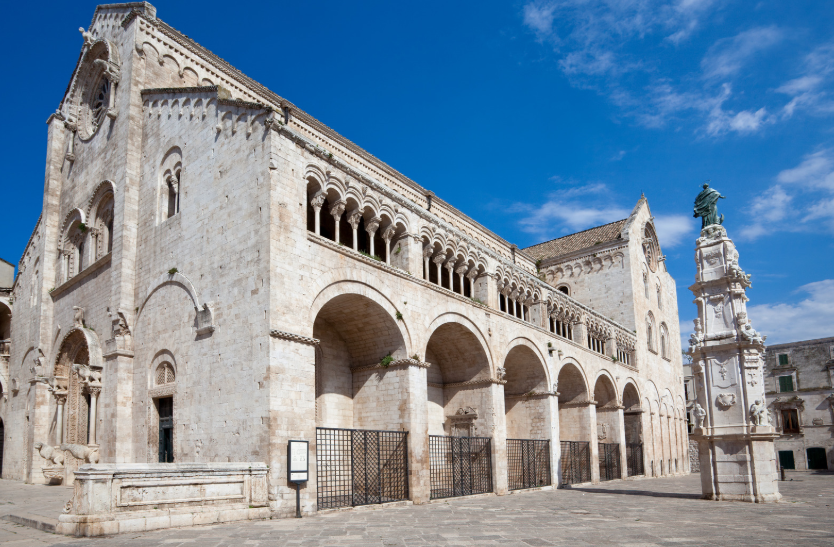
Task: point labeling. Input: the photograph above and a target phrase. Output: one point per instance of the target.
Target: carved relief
(726, 400)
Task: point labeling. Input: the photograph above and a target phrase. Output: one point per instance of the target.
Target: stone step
(39, 522)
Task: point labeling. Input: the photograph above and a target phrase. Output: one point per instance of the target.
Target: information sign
(298, 461)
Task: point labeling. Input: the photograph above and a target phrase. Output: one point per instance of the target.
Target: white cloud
(728, 55)
(804, 193)
(815, 171)
(539, 17)
(807, 319)
(767, 211)
(672, 229)
(809, 90)
(568, 211)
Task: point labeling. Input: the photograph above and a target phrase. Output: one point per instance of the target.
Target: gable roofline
(574, 233)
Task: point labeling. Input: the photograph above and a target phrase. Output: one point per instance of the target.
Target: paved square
(624, 513)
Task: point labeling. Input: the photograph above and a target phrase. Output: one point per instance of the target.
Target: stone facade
(799, 380)
(215, 272)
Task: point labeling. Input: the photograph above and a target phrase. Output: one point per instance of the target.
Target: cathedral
(216, 273)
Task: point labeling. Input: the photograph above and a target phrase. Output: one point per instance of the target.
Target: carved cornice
(577, 404)
(294, 337)
(470, 383)
(398, 363)
(533, 395)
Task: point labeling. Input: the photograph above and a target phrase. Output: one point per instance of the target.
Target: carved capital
(388, 233)
(354, 217)
(439, 258)
(318, 201)
(372, 225)
(337, 209)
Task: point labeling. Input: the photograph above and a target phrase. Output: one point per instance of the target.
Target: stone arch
(352, 282)
(459, 377)
(526, 393)
(100, 211)
(605, 390)
(204, 321)
(97, 72)
(170, 183)
(357, 361)
(572, 383)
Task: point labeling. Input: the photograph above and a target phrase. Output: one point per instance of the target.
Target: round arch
(525, 369)
(572, 383)
(362, 285)
(467, 324)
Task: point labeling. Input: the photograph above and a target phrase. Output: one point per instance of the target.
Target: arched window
(73, 250)
(103, 226)
(646, 284)
(565, 289)
(650, 333)
(164, 374)
(170, 185)
(659, 298)
(664, 341)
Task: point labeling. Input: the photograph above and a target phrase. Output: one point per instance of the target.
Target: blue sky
(538, 118)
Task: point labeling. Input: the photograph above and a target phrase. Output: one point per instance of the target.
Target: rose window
(100, 103)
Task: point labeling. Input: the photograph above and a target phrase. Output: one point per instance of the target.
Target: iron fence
(360, 467)
(576, 462)
(528, 463)
(460, 466)
(609, 461)
(634, 459)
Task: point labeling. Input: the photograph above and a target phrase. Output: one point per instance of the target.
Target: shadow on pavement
(639, 493)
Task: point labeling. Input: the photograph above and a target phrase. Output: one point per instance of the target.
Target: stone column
(93, 391)
(498, 424)
(461, 271)
(317, 202)
(620, 436)
(428, 250)
(416, 423)
(353, 219)
(387, 236)
(336, 211)
(552, 427)
(735, 438)
(450, 266)
(61, 399)
(371, 227)
(591, 420)
(439, 259)
(472, 275)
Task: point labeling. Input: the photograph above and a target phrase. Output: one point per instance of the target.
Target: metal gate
(528, 463)
(576, 462)
(609, 461)
(634, 459)
(460, 466)
(360, 467)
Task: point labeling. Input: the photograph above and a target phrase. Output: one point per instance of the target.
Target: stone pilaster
(735, 439)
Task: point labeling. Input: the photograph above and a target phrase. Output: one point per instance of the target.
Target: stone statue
(698, 336)
(747, 331)
(706, 207)
(699, 413)
(758, 413)
(78, 316)
(502, 373)
(50, 454)
(81, 452)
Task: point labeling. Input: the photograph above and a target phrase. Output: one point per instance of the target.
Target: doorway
(816, 458)
(786, 459)
(165, 405)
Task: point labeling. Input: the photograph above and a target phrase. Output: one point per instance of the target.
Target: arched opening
(103, 223)
(609, 430)
(361, 455)
(574, 425)
(356, 334)
(75, 389)
(461, 415)
(527, 401)
(633, 423)
(564, 289)
(457, 359)
(525, 395)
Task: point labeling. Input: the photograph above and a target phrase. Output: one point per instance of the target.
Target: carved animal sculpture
(50, 454)
(86, 374)
(81, 452)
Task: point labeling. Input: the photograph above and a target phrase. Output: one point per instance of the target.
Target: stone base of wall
(117, 498)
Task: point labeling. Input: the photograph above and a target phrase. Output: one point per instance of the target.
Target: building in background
(799, 381)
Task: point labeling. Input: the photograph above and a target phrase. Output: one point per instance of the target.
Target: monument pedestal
(738, 467)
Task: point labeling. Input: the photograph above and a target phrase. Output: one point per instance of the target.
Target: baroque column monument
(735, 438)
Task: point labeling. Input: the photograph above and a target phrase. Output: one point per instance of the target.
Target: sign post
(298, 468)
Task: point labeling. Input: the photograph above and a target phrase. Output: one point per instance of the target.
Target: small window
(790, 420)
(783, 359)
(785, 384)
(164, 374)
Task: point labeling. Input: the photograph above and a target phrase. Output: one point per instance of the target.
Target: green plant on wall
(386, 361)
